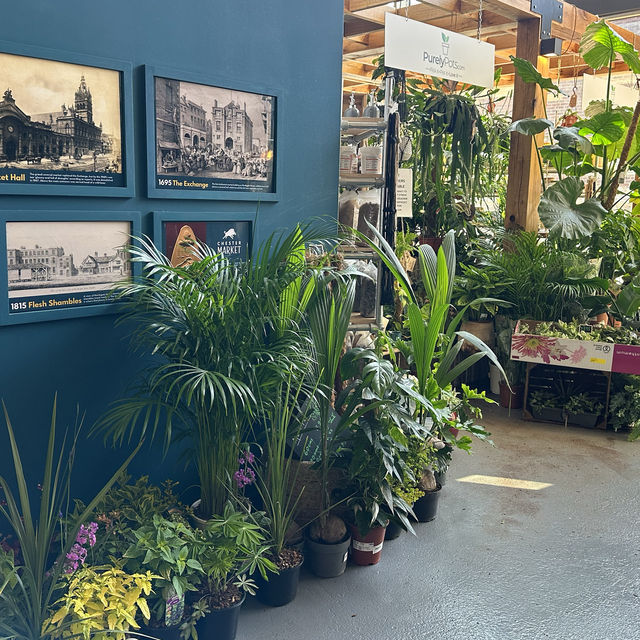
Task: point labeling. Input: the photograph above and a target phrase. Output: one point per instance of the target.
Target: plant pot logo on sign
(445, 45)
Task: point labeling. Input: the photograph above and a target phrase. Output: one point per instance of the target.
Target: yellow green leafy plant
(100, 603)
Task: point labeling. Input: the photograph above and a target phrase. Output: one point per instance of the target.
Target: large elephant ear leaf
(529, 74)
(569, 138)
(560, 212)
(605, 128)
(531, 126)
(600, 44)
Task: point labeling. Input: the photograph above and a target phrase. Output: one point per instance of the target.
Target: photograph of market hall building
(69, 132)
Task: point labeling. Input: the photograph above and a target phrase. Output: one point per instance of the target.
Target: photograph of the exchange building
(38, 131)
(213, 132)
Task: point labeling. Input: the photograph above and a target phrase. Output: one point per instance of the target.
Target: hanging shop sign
(419, 47)
(404, 193)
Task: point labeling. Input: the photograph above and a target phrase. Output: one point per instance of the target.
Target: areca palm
(218, 329)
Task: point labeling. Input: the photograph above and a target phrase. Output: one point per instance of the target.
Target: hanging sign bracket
(548, 10)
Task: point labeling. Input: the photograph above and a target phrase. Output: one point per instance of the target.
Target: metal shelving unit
(354, 131)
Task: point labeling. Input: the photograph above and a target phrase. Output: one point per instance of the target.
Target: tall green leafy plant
(431, 341)
(219, 330)
(282, 422)
(329, 315)
(29, 588)
(451, 146)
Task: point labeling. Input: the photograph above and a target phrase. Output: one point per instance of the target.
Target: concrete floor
(498, 563)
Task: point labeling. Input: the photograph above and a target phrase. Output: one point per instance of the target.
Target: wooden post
(524, 185)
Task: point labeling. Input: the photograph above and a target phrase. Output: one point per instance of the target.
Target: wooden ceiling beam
(360, 5)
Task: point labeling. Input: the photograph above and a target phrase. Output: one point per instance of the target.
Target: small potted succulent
(583, 410)
(546, 405)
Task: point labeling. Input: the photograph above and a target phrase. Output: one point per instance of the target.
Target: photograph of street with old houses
(70, 263)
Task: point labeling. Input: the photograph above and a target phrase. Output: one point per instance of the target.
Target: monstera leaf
(569, 139)
(529, 74)
(600, 44)
(531, 126)
(604, 128)
(628, 300)
(560, 212)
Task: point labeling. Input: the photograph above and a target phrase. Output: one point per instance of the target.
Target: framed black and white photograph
(65, 124)
(63, 265)
(213, 141)
(175, 234)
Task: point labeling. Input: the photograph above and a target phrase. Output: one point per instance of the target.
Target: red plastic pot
(434, 243)
(366, 550)
(508, 399)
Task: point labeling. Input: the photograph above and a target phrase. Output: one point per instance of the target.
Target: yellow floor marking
(506, 482)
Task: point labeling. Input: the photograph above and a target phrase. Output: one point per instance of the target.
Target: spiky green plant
(29, 589)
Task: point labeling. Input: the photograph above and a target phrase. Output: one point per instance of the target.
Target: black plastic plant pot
(589, 420)
(220, 624)
(161, 633)
(548, 414)
(426, 508)
(441, 477)
(280, 588)
(327, 560)
(394, 530)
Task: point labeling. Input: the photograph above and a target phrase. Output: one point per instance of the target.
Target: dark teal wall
(294, 47)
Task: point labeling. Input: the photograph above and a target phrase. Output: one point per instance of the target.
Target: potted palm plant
(282, 420)
(218, 330)
(329, 316)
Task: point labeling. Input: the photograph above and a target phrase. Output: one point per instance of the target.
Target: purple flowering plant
(77, 555)
(43, 534)
(245, 475)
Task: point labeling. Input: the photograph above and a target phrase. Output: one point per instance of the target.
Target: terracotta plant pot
(483, 330)
(434, 243)
(366, 550)
(511, 400)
